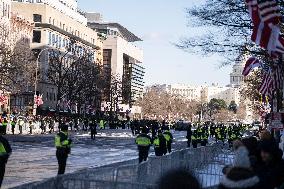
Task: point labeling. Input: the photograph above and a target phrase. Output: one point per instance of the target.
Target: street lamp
(37, 66)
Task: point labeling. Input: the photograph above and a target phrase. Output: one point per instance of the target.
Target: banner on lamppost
(277, 120)
(38, 100)
(3, 99)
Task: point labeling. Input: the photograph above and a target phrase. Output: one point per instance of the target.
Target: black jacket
(7, 147)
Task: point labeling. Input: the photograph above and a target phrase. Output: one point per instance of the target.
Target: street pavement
(33, 157)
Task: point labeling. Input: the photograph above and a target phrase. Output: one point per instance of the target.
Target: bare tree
(17, 63)
(224, 115)
(158, 103)
(227, 32)
(75, 74)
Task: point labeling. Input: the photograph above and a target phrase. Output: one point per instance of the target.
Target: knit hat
(242, 158)
(239, 178)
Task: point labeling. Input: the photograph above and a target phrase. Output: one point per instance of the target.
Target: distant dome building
(236, 77)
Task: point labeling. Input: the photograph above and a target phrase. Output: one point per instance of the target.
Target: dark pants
(143, 153)
(188, 142)
(203, 142)
(21, 129)
(169, 147)
(93, 134)
(2, 171)
(13, 129)
(158, 152)
(61, 156)
(194, 144)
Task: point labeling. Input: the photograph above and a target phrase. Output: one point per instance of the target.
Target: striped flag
(267, 85)
(253, 11)
(266, 36)
(269, 11)
(251, 64)
(265, 33)
(278, 77)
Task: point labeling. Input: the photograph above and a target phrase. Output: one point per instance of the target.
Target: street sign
(276, 121)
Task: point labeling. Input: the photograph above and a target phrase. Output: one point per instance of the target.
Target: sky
(160, 23)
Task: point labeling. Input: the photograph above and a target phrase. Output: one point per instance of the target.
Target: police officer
(203, 138)
(93, 128)
(63, 148)
(194, 139)
(188, 135)
(5, 152)
(4, 125)
(169, 138)
(160, 144)
(143, 142)
(13, 125)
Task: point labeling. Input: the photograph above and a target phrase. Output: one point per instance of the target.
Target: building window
(56, 41)
(49, 21)
(37, 18)
(53, 39)
(49, 38)
(36, 36)
(60, 43)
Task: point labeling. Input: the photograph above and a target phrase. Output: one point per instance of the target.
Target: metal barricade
(205, 162)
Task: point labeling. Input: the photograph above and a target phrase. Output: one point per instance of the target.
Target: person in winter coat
(93, 128)
(5, 152)
(188, 136)
(240, 174)
(251, 144)
(272, 171)
(169, 138)
(240, 178)
(160, 144)
(143, 142)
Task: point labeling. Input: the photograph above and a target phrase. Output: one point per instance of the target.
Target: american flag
(267, 37)
(267, 85)
(253, 11)
(269, 11)
(271, 80)
(251, 63)
(278, 77)
(266, 33)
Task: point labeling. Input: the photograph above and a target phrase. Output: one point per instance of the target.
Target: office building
(122, 60)
(57, 24)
